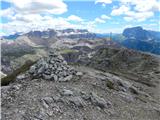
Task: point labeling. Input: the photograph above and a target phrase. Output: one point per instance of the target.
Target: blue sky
(101, 16)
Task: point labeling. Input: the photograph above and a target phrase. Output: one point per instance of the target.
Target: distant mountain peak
(140, 39)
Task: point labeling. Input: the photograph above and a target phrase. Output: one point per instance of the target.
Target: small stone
(41, 70)
(134, 90)
(47, 72)
(52, 62)
(32, 69)
(66, 92)
(55, 66)
(45, 104)
(16, 87)
(77, 101)
(64, 62)
(79, 73)
(48, 100)
(59, 69)
(68, 78)
(98, 101)
(126, 96)
(21, 77)
(55, 77)
(47, 77)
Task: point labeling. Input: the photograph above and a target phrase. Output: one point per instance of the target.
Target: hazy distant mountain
(139, 39)
(139, 33)
(51, 33)
(12, 37)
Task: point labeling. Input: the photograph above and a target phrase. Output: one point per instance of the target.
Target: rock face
(52, 68)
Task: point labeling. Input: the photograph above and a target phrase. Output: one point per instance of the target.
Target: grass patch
(110, 85)
(11, 77)
(65, 51)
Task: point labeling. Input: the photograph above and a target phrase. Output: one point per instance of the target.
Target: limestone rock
(77, 101)
(21, 77)
(98, 101)
(66, 92)
(79, 73)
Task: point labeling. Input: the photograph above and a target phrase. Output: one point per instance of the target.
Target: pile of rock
(53, 67)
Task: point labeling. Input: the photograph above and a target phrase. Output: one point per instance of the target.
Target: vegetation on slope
(11, 77)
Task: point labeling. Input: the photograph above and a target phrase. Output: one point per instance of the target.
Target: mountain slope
(88, 94)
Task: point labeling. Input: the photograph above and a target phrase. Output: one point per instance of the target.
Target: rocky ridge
(45, 92)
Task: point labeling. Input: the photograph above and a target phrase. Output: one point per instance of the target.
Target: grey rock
(126, 96)
(133, 90)
(41, 70)
(79, 73)
(64, 62)
(52, 62)
(47, 72)
(47, 77)
(55, 77)
(98, 101)
(48, 100)
(32, 69)
(68, 78)
(64, 73)
(16, 87)
(45, 104)
(21, 77)
(59, 69)
(66, 92)
(77, 101)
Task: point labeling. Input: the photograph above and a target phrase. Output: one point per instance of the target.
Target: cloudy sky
(95, 15)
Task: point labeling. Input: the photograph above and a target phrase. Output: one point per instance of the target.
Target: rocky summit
(53, 90)
(52, 68)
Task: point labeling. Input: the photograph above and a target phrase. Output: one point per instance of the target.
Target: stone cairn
(53, 67)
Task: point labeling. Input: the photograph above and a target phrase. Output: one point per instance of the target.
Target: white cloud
(103, 1)
(27, 17)
(143, 5)
(98, 20)
(101, 19)
(39, 6)
(141, 9)
(28, 22)
(120, 11)
(41, 24)
(147, 5)
(105, 17)
(8, 13)
(140, 16)
(74, 18)
(6, 1)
